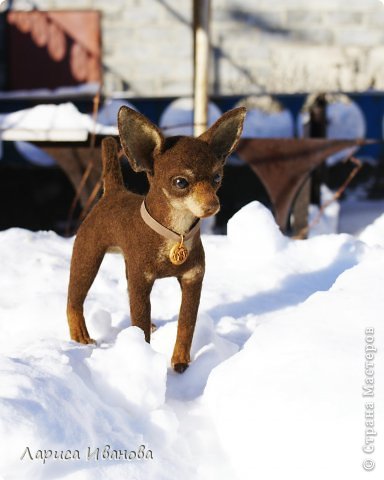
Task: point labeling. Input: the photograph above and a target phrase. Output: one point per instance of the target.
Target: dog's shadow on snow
(221, 345)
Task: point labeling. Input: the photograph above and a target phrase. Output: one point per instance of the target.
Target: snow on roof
(61, 122)
(45, 122)
(87, 89)
(177, 118)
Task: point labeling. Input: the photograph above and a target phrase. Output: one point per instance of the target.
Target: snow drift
(274, 389)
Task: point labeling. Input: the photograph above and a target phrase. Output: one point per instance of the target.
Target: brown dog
(159, 236)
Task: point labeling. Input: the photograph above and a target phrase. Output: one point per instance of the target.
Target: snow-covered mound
(374, 233)
(274, 390)
(254, 233)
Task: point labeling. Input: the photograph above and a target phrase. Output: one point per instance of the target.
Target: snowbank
(274, 390)
(294, 400)
(132, 359)
(374, 233)
(254, 233)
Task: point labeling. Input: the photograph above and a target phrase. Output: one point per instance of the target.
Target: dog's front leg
(191, 290)
(139, 289)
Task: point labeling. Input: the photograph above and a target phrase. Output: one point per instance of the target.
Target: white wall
(258, 45)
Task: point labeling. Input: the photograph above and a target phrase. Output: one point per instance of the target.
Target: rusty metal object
(89, 201)
(75, 161)
(283, 165)
(311, 190)
(82, 165)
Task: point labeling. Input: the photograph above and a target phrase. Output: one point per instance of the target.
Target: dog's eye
(217, 178)
(180, 182)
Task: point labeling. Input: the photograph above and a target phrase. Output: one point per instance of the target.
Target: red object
(52, 49)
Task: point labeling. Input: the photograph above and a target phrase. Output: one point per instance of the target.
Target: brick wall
(257, 45)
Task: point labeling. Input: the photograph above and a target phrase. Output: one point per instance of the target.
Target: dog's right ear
(140, 139)
(224, 135)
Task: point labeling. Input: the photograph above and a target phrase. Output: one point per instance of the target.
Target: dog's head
(186, 171)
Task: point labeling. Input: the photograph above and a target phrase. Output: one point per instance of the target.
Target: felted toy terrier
(159, 235)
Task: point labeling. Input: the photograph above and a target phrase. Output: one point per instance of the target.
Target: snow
(86, 89)
(259, 124)
(327, 221)
(44, 122)
(356, 214)
(177, 118)
(274, 389)
(265, 242)
(121, 361)
(374, 234)
(62, 122)
(301, 388)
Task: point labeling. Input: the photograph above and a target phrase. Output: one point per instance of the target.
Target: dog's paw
(84, 339)
(180, 367)
(89, 341)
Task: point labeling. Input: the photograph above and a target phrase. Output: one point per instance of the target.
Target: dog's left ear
(140, 139)
(224, 135)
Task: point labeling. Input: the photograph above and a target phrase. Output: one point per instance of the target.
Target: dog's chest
(164, 251)
(167, 246)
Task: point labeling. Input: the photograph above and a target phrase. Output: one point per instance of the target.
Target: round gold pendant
(178, 254)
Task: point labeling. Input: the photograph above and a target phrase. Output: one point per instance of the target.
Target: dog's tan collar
(166, 232)
(179, 252)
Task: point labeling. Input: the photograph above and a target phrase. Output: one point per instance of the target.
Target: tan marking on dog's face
(194, 206)
(203, 201)
(200, 201)
(188, 174)
(181, 217)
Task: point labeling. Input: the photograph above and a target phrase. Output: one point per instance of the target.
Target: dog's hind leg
(84, 267)
(139, 289)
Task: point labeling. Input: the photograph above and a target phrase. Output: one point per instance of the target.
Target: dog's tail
(112, 176)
